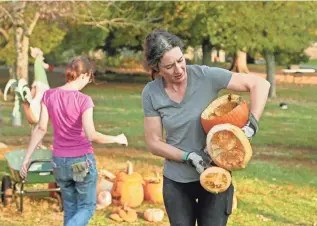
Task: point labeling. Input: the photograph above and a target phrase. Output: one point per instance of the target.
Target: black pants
(187, 202)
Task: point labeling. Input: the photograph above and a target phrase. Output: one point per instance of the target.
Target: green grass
(279, 186)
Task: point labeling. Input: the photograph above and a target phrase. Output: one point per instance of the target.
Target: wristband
(185, 156)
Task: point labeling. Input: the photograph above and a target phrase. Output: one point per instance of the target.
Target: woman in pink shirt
(74, 165)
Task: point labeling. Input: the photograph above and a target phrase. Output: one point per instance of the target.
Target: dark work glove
(252, 127)
(196, 161)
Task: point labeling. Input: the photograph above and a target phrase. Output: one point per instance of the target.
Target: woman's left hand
(24, 168)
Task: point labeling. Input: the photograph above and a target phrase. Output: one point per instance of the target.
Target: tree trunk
(270, 71)
(239, 63)
(22, 57)
(207, 47)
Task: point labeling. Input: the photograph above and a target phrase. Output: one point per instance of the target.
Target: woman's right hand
(24, 169)
(122, 139)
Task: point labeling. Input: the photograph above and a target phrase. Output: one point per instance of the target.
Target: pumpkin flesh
(215, 179)
(228, 147)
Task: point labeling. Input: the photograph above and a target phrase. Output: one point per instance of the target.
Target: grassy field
(279, 186)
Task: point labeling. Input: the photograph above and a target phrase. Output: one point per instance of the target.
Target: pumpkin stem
(129, 168)
(239, 100)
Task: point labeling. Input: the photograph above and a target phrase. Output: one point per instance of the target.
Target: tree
(21, 18)
(283, 26)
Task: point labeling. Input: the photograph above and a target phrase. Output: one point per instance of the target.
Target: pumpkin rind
(215, 179)
(229, 108)
(228, 147)
(153, 189)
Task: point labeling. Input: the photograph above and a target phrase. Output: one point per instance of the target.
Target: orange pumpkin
(215, 179)
(153, 189)
(225, 109)
(228, 147)
(153, 215)
(128, 187)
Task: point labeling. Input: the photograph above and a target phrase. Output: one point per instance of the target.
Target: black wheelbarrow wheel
(6, 190)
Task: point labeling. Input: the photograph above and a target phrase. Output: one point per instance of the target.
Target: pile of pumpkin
(226, 143)
(128, 190)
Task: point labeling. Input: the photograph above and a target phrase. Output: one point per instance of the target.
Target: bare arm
(93, 135)
(37, 135)
(258, 88)
(154, 139)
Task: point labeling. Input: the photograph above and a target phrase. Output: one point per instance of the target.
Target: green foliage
(288, 58)
(78, 40)
(45, 36)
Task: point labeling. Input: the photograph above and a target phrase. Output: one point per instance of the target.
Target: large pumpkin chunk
(215, 179)
(229, 108)
(228, 147)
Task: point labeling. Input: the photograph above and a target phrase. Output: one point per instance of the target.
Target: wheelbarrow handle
(37, 161)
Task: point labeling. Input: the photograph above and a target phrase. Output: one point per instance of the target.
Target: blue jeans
(79, 198)
(187, 203)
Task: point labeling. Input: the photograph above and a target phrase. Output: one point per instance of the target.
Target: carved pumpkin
(228, 147)
(128, 187)
(215, 179)
(225, 109)
(153, 215)
(153, 189)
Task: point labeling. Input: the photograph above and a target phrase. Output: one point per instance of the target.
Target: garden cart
(40, 171)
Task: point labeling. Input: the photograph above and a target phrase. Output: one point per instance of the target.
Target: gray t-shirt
(181, 121)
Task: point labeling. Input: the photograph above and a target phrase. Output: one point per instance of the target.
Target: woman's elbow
(41, 129)
(152, 148)
(261, 83)
(91, 136)
(266, 84)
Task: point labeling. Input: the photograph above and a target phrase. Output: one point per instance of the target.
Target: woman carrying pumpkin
(174, 100)
(74, 165)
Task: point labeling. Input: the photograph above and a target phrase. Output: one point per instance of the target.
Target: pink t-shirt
(65, 109)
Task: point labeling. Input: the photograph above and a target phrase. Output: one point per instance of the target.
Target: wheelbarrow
(40, 171)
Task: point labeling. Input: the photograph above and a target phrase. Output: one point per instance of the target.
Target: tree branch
(7, 13)
(6, 38)
(33, 23)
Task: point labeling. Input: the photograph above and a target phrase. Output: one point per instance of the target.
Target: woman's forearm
(258, 96)
(165, 150)
(37, 136)
(103, 139)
